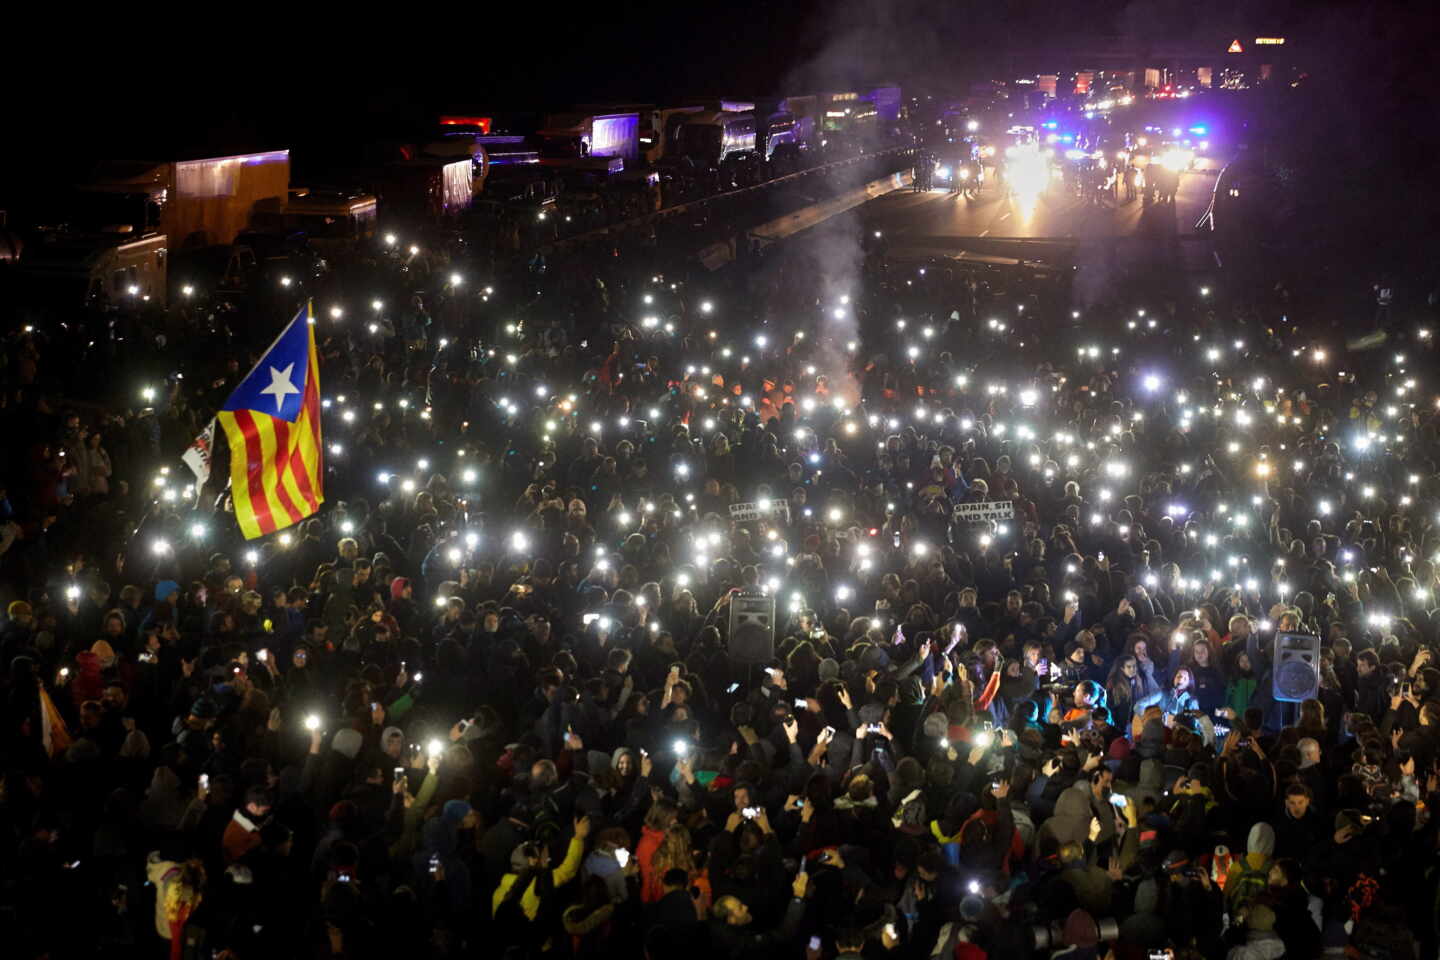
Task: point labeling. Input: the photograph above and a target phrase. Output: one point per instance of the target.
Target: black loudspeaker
(752, 628)
(1296, 674)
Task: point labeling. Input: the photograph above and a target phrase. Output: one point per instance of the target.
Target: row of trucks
(703, 134)
(138, 233)
(111, 240)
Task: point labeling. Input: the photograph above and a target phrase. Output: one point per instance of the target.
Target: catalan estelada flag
(272, 421)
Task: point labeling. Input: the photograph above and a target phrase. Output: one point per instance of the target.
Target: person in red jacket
(661, 815)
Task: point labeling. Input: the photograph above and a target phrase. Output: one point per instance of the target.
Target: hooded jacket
(1073, 811)
(165, 801)
(1259, 849)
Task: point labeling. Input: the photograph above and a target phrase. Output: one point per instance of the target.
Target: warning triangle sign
(1235, 47)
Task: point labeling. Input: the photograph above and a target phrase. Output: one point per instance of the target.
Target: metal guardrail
(728, 195)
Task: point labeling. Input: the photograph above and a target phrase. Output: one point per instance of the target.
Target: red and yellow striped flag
(272, 421)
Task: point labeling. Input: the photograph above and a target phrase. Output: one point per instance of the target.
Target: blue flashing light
(1200, 129)
(1051, 124)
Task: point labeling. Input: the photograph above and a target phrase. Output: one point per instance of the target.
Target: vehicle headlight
(943, 172)
(964, 173)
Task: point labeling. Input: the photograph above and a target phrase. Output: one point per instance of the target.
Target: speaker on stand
(752, 628)
(1295, 674)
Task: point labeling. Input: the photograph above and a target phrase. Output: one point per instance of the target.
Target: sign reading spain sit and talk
(981, 512)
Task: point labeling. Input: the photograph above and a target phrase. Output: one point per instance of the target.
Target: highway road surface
(1052, 226)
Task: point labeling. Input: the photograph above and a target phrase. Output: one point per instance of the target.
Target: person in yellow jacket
(530, 860)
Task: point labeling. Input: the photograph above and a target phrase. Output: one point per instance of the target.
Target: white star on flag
(280, 385)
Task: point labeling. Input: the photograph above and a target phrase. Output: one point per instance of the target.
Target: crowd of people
(1030, 564)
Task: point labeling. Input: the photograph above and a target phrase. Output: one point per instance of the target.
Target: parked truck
(582, 135)
(427, 187)
(205, 202)
(709, 138)
(97, 269)
(332, 220)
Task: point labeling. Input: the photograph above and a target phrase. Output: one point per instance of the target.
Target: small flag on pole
(53, 734)
(201, 451)
(272, 422)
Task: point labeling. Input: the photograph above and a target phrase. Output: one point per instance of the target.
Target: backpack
(546, 827)
(910, 816)
(1241, 890)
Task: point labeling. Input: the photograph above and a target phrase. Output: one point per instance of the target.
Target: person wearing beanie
(347, 743)
(20, 612)
(403, 606)
(1081, 936)
(459, 814)
(392, 744)
(1261, 941)
(104, 653)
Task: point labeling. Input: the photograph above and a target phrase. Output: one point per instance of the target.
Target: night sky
(278, 78)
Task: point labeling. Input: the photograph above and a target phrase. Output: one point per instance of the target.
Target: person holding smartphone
(732, 925)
